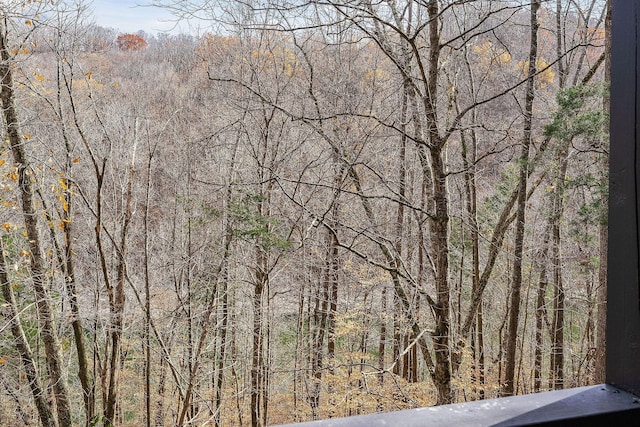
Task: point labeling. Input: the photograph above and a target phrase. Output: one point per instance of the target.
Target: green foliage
(287, 337)
(249, 224)
(96, 420)
(579, 114)
(593, 211)
(589, 213)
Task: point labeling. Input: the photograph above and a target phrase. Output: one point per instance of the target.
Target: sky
(127, 17)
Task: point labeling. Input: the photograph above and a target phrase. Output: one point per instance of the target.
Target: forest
(308, 210)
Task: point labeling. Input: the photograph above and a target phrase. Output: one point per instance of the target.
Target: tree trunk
(37, 264)
(541, 314)
(117, 299)
(601, 294)
(383, 335)
(11, 314)
(440, 254)
(257, 358)
(557, 344)
(508, 387)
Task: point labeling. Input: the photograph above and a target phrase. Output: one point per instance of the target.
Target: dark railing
(613, 403)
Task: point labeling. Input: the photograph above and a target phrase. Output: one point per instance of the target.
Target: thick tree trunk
(439, 229)
(37, 264)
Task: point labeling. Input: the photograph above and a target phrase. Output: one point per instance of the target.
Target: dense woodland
(306, 210)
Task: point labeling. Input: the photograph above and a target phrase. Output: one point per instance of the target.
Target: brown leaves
(130, 42)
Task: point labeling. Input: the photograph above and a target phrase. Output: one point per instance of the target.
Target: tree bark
(601, 294)
(117, 300)
(541, 314)
(508, 386)
(22, 345)
(37, 264)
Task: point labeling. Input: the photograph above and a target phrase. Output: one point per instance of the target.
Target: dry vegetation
(319, 211)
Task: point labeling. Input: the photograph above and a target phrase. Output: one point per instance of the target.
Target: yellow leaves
(26, 136)
(91, 81)
(491, 56)
(40, 77)
(214, 46)
(60, 189)
(116, 85)
(13, 174)
(504, 57)
(483, 48)
(63, 184)
(276, 59)
(377, 74)
(544, 77)
(63, 202)
(3, 360)
(28, 22)
(76, 160)
(346, 327)
(7, 227)
(2, 162)
(289, 69)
